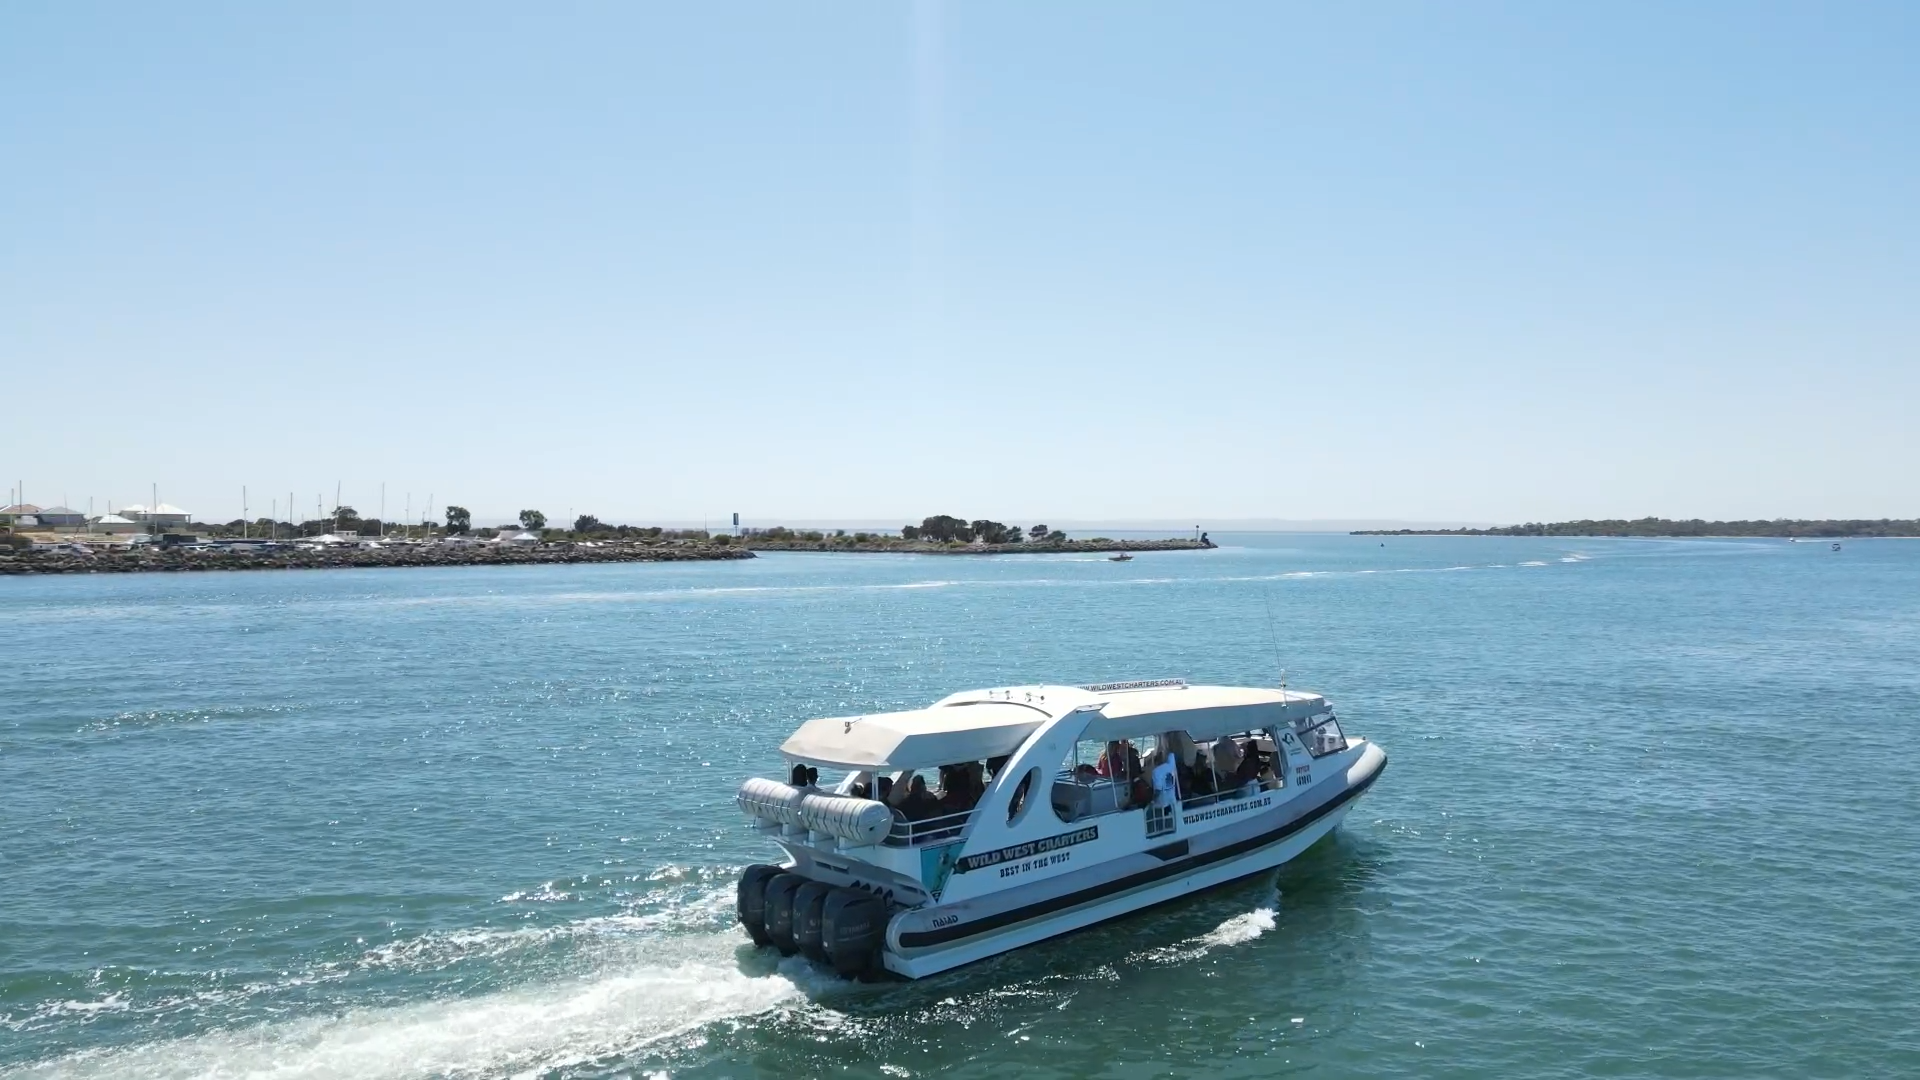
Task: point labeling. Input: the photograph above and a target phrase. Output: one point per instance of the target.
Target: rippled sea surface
(1653, 810)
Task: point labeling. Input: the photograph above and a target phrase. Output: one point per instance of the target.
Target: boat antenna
(1273, 638)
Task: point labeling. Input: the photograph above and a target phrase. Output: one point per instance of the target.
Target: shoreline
(847, 545)
(189, 560)
(155, 559)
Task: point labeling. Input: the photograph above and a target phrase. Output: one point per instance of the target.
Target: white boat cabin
(1117, 768)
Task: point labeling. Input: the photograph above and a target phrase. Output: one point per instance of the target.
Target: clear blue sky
(1482, 261)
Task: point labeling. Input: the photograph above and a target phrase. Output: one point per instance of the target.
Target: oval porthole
(1016, 806)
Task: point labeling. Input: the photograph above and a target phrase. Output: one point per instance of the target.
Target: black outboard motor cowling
(853, 926)
(779, 916)
(809, 903)
(750, 901)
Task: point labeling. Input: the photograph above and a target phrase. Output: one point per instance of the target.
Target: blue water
(1651, 812)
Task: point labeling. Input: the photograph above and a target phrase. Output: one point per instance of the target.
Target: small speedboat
(1836, 547)
(1120, 557)
(1056, 807)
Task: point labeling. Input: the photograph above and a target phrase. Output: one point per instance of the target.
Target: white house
(113, 523)
(158, 516)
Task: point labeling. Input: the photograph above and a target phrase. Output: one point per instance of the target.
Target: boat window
(1320, 734)
(1018, 804)
(1234, 767)
(1101, 778)
(930, 810)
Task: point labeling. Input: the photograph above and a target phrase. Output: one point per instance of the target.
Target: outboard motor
(852, 926)
(809, 902)
(750, 901)
(779, 914)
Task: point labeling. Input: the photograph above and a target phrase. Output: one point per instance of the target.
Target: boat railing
(907, 832)
(1240, 792)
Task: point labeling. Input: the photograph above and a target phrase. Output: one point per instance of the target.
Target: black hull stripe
(922, 938)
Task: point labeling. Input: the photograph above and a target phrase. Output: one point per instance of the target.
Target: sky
(1079, 261)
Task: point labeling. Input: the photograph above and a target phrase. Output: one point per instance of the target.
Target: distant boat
(1124, 557)
(1836, 547)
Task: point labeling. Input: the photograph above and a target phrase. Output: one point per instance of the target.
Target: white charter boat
(1057, 807)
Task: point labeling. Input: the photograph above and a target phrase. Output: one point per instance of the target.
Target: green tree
(946, 529)
(910, 532)
(532, 520)
(459, 519)
(1038, 532)
(587, 523)
(1056, 537)
(989, 531)
(346, 515)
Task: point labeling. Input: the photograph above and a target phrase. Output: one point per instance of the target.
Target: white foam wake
(1237, 930)
(1240, 929)
(666, 987)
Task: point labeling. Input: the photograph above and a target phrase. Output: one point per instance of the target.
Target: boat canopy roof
(982, 724)
(920, 739)
(1204, 712)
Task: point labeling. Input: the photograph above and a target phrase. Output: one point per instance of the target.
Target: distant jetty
(150, 557)
(1822, 529)
(892, 546)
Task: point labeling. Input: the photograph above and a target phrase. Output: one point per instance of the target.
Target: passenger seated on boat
(883, 789)
(898, 789)
(1198, 780)
(953, 797)
(1119, 761)
(995, 764)
(799, 776)
(1185, 758)
(1250, 765)
(1226, 763)
(962, 787)
(918, 803)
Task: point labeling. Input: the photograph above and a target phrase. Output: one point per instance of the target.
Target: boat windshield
(1320, 734)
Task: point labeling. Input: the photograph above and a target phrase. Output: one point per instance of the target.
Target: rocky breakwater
(933, 547)
(306, 558)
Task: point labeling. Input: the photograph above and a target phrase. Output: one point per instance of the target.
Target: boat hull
(918, 963)
(928, 941)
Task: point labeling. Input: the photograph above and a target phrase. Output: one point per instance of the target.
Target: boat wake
(666, 986)
(1238, 930)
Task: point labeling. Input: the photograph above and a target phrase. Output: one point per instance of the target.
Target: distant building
(20, 515)
(159, 516)
(113, 523)
(59, 517)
